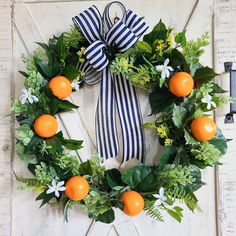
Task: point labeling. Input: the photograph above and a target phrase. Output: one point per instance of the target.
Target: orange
(133, 203)
(60, 86)
(45, 126)
(203, 128)
(181, 84)
(77, 188)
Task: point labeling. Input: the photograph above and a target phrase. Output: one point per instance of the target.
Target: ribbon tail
(106, 134)
(130, 119)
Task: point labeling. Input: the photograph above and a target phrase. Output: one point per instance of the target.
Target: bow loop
(96, 55)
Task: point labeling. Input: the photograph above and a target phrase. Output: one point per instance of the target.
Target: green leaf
(85, 168)
(149, 184)
(136, 175)
(107, 217)
(189, 138)
(67, 206)
(149, 126)
(178, 115)
(46, 70)
(28, 157)
(45, 197)
(55, 143)
(158, 32)
(61, 48)
(161, 100)
(71, 72)
(72, 144)
(175, 214)
(204, 75)
(48, 52)
(181, 38)
(144, 47)
(167, 155)
(113, 178)
(217, 89)
(177, 59)
(220, 142)
(65, 106)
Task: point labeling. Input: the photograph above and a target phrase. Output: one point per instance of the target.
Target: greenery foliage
(178, 171)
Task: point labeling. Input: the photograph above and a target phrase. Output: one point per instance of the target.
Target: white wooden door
(37, 20)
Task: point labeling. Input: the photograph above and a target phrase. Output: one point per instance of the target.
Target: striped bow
(105, 37)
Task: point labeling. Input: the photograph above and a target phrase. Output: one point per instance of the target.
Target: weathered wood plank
(6, 147)
(225, 50)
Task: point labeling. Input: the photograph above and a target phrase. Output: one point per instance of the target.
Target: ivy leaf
(220, 142)
(72, 144)
(158, 32)
(113, 178)
(181, 38)
(107, 217)
(167, 155)
(178, 115)
(189, 138)
(71, 72)
(161, 100)
(204, 75)
(136, 175)
(144, 47)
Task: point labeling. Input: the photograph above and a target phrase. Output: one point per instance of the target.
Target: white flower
(27, 95)
(76, 85)
(165, 69)
(56, 187)
(208, 100)
(160, 198)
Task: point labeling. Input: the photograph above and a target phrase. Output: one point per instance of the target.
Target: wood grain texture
(225, 50)
(5, 121)
(37, 21)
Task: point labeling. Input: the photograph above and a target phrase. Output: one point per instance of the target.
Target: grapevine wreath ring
(181, 91)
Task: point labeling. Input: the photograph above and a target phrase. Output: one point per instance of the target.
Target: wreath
(181, 92)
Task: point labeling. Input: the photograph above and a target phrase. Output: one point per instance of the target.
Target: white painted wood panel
(225, 50)
(37, 21)
(5, 122)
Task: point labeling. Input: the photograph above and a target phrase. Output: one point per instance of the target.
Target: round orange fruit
(60, 86)
(181, 84)
(203, 128)
(77, 188)
(133, 203)
(45, 126)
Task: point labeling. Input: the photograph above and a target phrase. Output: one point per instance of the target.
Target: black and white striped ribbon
(115, 90)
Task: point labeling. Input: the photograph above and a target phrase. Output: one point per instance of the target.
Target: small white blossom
(27, 95)
(208, 100)
(160, 198)
(165, 69)
(76, 85)
(56, 187)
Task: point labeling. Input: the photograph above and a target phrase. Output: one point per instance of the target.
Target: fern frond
(188, 198)
(30, 182)
(153, 211)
